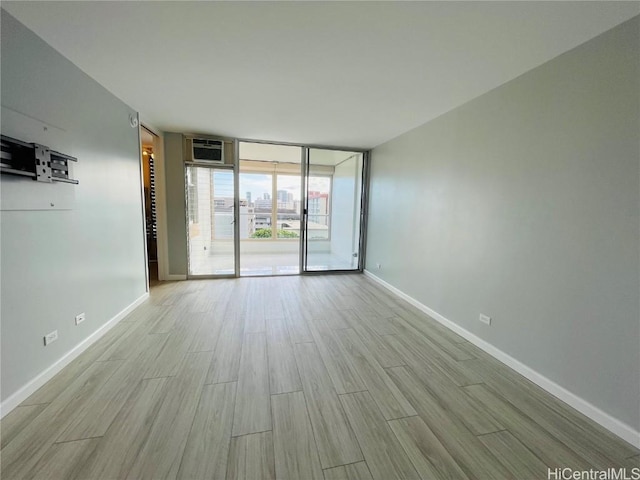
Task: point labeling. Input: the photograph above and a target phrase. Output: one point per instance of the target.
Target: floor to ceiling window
(270, 206)
(298, 210)
(333, 194)
(210, 219)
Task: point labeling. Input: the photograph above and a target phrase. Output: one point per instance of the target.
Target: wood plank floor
(323, 377)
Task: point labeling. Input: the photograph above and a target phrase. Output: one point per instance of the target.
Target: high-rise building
(263, 204)
(318, 208)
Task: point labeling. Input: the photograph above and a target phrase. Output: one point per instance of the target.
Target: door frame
(162, 253)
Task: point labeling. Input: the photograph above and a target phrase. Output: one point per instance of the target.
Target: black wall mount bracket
(35, 161)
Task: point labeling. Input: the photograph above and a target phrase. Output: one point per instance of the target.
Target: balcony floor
(256, 264)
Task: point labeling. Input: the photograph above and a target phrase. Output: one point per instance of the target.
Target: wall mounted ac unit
(204, 150)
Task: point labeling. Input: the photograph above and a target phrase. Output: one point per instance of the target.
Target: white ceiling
(351, 74)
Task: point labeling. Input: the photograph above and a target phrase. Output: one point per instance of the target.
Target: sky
(259, 184)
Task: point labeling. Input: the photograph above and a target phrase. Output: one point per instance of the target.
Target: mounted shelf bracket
(35, 161)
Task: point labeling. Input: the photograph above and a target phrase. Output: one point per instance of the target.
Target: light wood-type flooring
(314, 377)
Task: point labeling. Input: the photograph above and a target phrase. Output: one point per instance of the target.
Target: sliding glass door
(210, 220)
(333, 183)
(279, 210)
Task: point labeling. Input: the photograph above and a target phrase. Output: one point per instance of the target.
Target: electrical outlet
(378, 266)
(50, 337)
(485, 319)
(79, 318)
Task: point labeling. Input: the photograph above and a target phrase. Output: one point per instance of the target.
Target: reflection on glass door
(210, 229)
(333, 192)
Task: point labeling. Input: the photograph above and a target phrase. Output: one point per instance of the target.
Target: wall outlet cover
(50, 337)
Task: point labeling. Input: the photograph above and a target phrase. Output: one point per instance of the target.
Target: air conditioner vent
(205, 150)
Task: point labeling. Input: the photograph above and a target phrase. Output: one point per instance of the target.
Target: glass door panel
(287, 207)
(210, 229)
(270, 198)
(333, 192)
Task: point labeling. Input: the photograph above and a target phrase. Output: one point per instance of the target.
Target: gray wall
(87, 253)
(176, 203)
(523, 204)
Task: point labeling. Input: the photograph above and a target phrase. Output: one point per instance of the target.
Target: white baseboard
(172, 277)
(612, 424)
(23, 393)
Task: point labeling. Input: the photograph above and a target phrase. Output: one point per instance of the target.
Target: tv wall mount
(35, 161)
